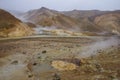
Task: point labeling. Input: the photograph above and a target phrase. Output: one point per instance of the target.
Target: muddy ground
(31, 59)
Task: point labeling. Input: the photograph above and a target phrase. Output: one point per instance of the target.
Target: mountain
(81, 14)
(109, 22)
(47, 17)
(83, 21)
(10, 26)
(90, 14)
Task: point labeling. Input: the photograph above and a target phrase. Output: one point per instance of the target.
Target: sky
(60, 5)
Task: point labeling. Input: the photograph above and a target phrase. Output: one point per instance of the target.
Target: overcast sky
(61, 5)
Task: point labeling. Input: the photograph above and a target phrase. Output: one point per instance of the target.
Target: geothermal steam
(94, 48)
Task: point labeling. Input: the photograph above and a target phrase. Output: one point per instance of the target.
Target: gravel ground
(31, 58)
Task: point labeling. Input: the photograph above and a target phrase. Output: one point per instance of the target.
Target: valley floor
(31, 58)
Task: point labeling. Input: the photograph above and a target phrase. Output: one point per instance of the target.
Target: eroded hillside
(12, 27)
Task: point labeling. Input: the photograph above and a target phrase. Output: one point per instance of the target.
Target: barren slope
(109, 22)
(51, 18)
(11, 26)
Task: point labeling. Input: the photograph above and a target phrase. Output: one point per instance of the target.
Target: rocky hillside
(11, 26)
(47, 17)
(96, 21)
(109, 22)
(81, 14)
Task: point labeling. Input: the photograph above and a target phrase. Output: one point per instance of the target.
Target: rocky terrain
(45, 44)
(12, 27)
(46, 17)
(60, 58)
(51, 18)
(59, 23)
(88, 21)
(109, 22)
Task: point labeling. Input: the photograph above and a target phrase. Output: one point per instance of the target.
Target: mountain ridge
(48, 17)
(83, 21)
(10, 26)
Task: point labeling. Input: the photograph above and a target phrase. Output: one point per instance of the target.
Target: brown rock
(62, 65)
